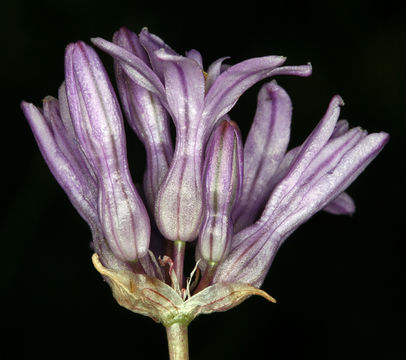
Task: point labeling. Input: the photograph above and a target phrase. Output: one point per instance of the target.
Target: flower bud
(98, 123)
(223, 172)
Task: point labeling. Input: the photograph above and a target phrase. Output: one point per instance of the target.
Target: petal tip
(337, 100)
(24, 104)
(383, 138)
(280, 59)
(48, 98)
(97, 40)
(309, 69)
(123, 29)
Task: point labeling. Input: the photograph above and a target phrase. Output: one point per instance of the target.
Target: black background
(338, 281)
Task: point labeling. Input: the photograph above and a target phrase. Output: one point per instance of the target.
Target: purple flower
(223, 172)
(238, 203)
(195, 107)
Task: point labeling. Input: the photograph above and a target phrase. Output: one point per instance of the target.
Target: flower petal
(129, 40)
(343, 204)
(135, 67)
(335, 181)
(214, 71)
(179, 205)
(68, 132)
(184, 86)
(98, 124)
(298, 70)
(147, 117)
(322, 165)
(222, 188)
(264, 149)
(233, 82)
(63, 161)
(310, 148)
(340, 128)
(250, 260)
(65, 114)
(152, 43)
(196, 56)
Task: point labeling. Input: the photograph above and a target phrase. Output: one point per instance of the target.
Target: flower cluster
(237, 202)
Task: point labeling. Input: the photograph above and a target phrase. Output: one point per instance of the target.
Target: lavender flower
(222, 174)
(239, 202)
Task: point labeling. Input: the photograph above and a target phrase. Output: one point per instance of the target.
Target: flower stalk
(177, 335)
(178, 260)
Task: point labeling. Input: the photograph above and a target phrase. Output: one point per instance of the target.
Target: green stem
(178, 259)
(178, 341)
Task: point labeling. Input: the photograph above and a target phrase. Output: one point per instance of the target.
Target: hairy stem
(178, 341)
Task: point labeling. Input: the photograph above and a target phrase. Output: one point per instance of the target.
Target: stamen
(166, 260)
(190, 282)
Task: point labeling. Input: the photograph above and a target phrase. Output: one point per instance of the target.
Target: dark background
(338, 281)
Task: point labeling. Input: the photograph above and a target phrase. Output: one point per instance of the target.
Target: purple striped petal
(147, 117)
(310, 148)
(233, 82)
(340, 128)
(334, 182)
(300, 70)
(179, 205)
(249, 262)
(135, 67)
(196, 56)
(65, 114)
(98, 124)
(184, 86)
(107, 257)
(152, 43)
(222, 179)
(69, 132)
(284, 167)
(257, 245)
(130, 42)
(69, 166)
(321, 165)
(214, 71)
(63, 160)
(264, 149)
(343, 204)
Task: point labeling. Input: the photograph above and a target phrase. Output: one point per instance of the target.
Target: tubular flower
(237, 203)
(222, 187)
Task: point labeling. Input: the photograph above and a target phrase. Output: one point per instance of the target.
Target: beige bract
(165, 304)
